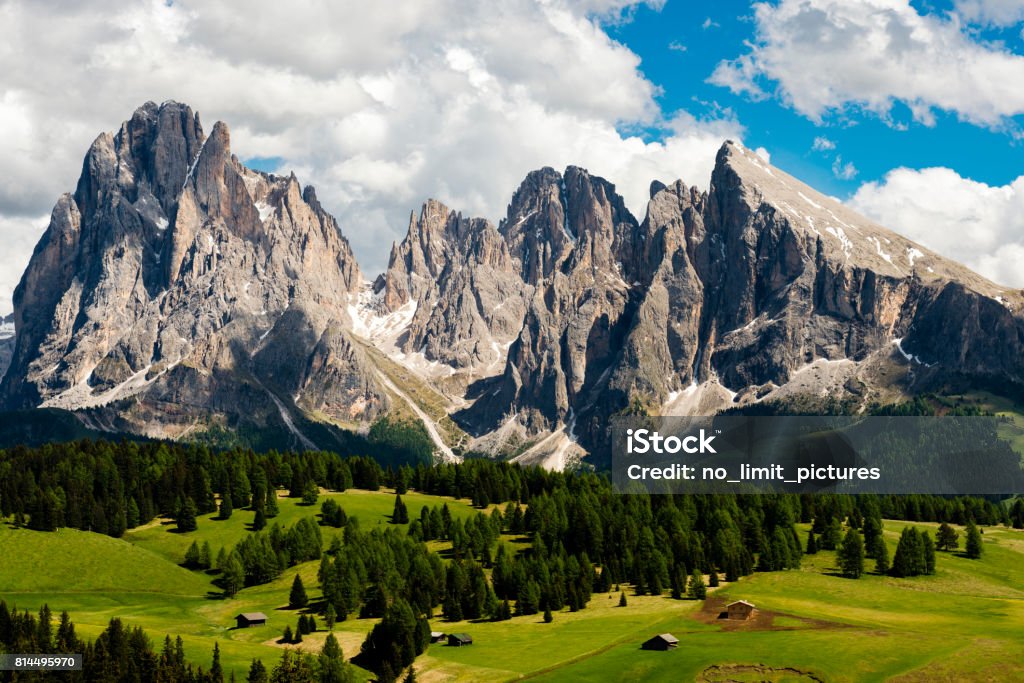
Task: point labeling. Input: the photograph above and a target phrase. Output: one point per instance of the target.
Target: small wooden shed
(459, 639)
(437, 636)
(662, 641)
(741, 609)
(248, 619)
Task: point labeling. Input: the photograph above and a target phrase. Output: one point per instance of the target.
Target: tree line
(121, 654)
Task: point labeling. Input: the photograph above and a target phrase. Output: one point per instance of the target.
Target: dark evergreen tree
(257, 672)
(947, 538)
(271, 509)
(973, 548)
(204, 555)
(832, 535)
(226, 506)
(310, 493)
(696, 589)
(297, 598)
(851, 555)
(881, 555)
(812, 544)
(216, 671)
(192, 556)
(400, 515)
(233, 578)
(132, 518)
(330, 616)
(186, 517)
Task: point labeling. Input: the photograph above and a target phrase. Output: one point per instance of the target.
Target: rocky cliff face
(458, 285)
(176, 289)
(6, 342)
(761, 288)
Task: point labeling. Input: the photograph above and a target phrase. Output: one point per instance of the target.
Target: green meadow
(962, 623)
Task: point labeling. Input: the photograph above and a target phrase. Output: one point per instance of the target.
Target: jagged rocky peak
(792, 277)
(172, 275)
(451, 295)
(554, 219)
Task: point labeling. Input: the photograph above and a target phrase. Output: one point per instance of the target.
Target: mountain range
(176, 293)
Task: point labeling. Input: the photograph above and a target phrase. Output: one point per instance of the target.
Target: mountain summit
(177, 291)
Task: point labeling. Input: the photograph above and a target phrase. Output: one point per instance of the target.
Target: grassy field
(963, 623)
(139, 578)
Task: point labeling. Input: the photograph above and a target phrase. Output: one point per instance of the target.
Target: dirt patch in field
(755, 673)
(714, 612)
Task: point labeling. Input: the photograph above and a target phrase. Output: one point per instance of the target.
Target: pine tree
(204, 555)
(713, 578)
(881, 555)
(330, 616)
(257, 672)
(332, 663)
(192, 556)
(271, 509)
(832, 535)
(697, 590)
(298, 598)
(226, 506)
(851, 555)
(400, 515)
(947, 538)
(812, 544)
(928, 550)
(622, 599)
(132, 518)
(310, 493)
(973, 547)
(1017, 514)
(909, 557)
(548, 617)
(287, 636)
(216, 671)
(186, 517)
(410, 677)
(234, 576)
(259, 522)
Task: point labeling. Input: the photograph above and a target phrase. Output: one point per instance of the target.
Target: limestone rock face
(177, 288)
(740, 294)
(456, 277)
(6, 342)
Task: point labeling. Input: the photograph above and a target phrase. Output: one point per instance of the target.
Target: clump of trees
(915, 554)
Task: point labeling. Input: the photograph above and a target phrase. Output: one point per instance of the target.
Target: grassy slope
(963, 623)
(138, 579)
(876, 628)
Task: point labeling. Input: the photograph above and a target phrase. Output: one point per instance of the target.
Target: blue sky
(681, 43)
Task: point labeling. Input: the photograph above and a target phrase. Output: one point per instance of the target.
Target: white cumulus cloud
(979, 225)
(379, 105)
(991, 12)
(870, 54)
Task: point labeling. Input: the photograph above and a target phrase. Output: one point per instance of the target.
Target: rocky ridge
(176, 289)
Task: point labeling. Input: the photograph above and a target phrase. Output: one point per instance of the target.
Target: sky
(911, 112)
